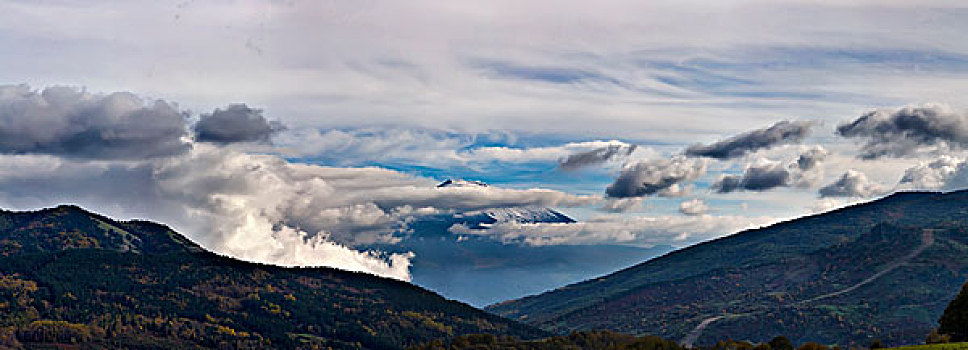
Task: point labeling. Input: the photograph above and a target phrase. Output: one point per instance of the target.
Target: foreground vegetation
(71, 278)
(588, 340)
(954, 321)
(607, 340)
(945, 346)
(953, 326)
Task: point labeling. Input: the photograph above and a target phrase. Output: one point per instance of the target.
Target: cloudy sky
(292, 132)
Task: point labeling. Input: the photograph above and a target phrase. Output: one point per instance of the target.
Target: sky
(295, 132)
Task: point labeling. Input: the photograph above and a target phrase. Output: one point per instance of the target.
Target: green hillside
(946, 346)
(72, 278)
(882, 270)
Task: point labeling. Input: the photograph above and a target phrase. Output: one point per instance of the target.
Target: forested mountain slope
(881, 270)
(71, 277)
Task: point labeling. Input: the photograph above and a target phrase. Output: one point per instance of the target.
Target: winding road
(927, 239)
(691, 338)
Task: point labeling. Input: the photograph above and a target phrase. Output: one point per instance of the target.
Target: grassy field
(948, 346)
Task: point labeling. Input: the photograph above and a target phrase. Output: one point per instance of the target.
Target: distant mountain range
(481, 270)
(73, 279)
(881, 270)
(478, 219)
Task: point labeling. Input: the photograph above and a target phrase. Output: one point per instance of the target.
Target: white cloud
(852, 184)
(618, 68)
(827, 204)
(644, 231)
(693, 207)
(260, 207)
(621, 205)
(574, 71)
(432, 147)
(944, 173)
(119, 155)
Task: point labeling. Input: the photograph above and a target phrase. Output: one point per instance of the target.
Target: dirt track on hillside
(927, 239)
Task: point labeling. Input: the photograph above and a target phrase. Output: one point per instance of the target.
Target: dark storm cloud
(783, 132)
(595, 156)
(663, 177)
(236, 123)
(69, 122)
(905, 131)
(765, 174)
(852, 184)
(757, 177)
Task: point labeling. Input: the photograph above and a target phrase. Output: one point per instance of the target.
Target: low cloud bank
(641, 231)
(131, 158)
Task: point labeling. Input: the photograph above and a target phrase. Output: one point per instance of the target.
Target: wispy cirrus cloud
(474, 66)
(433, 147)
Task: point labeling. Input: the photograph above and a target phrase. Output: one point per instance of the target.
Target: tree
(954, 321)
(813, 346)
(763, 346)
(937, 338)
(781, 343)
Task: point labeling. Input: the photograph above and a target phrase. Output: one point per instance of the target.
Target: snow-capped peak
(527, 215)
(513, 214)
(461, 183)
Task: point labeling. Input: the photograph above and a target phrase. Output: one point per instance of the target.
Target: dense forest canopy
(71, 277)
